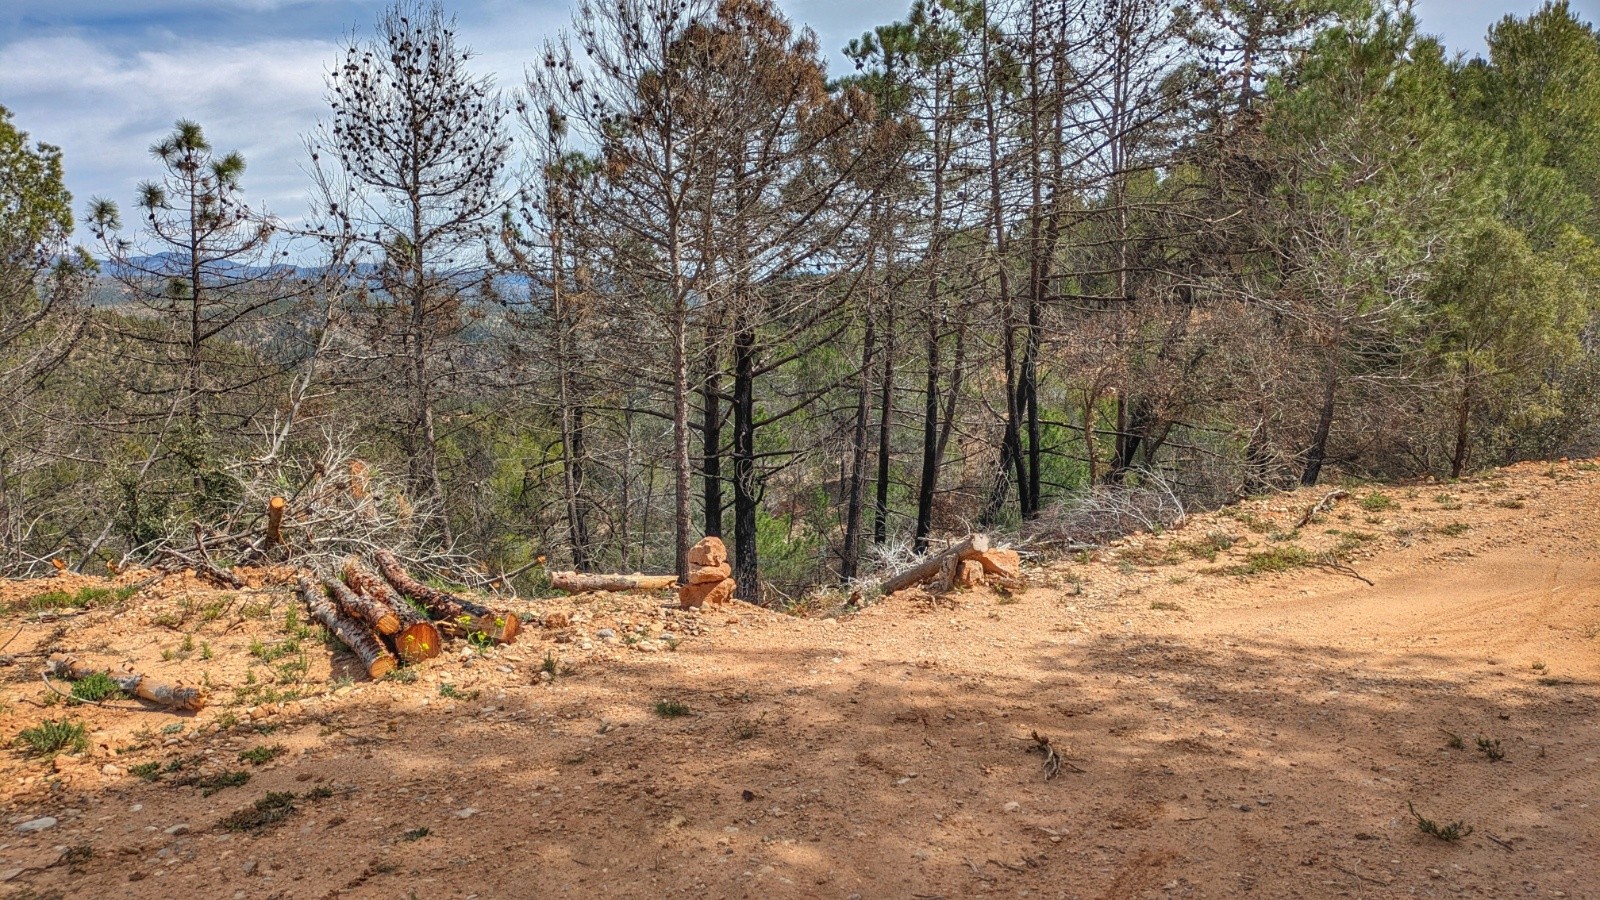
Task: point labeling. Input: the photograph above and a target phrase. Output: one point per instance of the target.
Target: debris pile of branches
(1146, 501)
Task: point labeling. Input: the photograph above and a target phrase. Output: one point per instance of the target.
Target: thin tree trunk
(746, 564)
(849, 556)
(711, 431)
(1317, 453)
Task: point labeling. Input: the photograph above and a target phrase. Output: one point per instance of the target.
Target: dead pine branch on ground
(1321, 506)
(1054, 762)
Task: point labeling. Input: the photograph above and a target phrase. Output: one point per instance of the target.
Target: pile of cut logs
(380, 618)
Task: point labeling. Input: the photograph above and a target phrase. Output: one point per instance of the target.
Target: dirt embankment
(1238, 718)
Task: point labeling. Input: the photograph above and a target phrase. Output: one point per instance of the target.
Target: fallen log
(350, 631)
(132, 683)
(936, 564)
(418, 638)
(575, 583)
(500, 627)
(380, 617)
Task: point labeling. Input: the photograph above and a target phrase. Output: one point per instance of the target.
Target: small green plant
(1490, 747)
(1278, 559)
(416, 834)
(1454, 529)
(549, 665)
(671, 709)
(205, 651)
(149, 771)
(320, 792)
(187, 646)
(449, 691)
(1450, 833)
(745, 729)
(96, 687)
(403, 675)
(1447, 501)
(210, 784)
(1508, 503)
(271, 809)
(263, 754)
(53, 736)
(1165, 605)
(1538, 667)
(84, 598)
(1377, 502)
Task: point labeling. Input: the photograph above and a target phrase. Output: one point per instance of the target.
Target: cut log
(274, 536)
(500, 627)
(350, 631)
(1001, 563)
(692, 596)
(418, 638)
(133, 684)
(574, 583)
(377, 615)
(933, 565)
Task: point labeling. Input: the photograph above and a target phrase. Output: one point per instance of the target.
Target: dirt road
(1224, 736)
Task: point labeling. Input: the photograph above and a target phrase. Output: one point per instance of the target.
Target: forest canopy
(685, 281)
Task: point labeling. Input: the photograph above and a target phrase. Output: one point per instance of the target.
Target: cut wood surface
(418, 638)
(372, 612)
(275, 508)
(501, 627)
(935, 564)
(350, 631)
(133, 684)
(575, 583)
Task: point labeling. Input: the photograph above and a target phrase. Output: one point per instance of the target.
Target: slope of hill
(1236, 716)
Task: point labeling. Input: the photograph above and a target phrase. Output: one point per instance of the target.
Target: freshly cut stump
(350, 631)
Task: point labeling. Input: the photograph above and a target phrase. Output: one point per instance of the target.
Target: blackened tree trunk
(746, 561)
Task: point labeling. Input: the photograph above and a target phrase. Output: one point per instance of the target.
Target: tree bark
(500, 627)
(133, 684)
(574, 583)
(352, 633)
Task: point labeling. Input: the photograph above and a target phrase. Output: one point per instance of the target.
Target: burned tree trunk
(350, 631)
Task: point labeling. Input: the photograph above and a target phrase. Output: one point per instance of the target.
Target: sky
(105, 79)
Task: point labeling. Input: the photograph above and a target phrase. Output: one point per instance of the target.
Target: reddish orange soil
(1226, 735)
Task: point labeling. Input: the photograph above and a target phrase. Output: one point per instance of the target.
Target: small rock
(251, 867)
(38, 824)
(1013, 806)
(467, 813)
(605, 634)
(110, 769)
(648, 646)
(180, 828)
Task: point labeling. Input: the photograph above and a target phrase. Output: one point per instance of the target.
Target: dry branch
(575, 583)
(1321, 506)
(502, 628)
(133, 684)
(352, 632)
